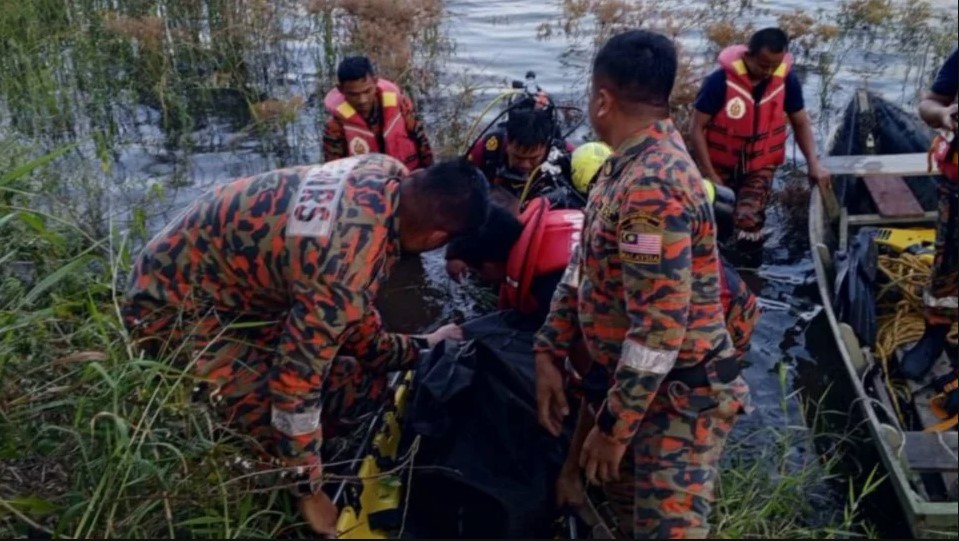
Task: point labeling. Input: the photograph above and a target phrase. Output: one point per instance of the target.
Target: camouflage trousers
(741, 322)
(668, 477)
(743, 311)
(753, 193)
(232, 360)
(942, 293)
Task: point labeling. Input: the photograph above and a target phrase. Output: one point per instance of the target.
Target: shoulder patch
(641, 239)
(346, 110)
(492, 143)
(390, 99)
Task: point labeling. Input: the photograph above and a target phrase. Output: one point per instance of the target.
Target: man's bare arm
(938, 111)
(700, 148)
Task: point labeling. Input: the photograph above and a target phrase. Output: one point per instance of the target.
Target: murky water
(496, 40)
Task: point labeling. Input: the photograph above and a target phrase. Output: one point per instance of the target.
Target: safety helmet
(710, 190)
(586, 161)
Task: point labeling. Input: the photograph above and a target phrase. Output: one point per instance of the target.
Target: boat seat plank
(860, 220)
(885, 165)
(893, 197)
(932, 451)
(844, 229)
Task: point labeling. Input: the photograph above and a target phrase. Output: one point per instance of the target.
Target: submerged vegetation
(99, 442)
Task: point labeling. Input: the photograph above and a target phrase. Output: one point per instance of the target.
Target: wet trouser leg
(741, 320)
(940, 295)
(753, 193)
(667, 479)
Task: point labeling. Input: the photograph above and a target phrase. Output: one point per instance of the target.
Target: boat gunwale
(917, 509)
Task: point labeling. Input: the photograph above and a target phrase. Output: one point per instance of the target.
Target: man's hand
(320, 513)
(451, 331)
(948, 119)
(601, 457)
(550, 395)
(569, 487)
(456, 269)
(820, 176)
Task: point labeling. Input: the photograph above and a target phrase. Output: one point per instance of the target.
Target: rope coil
(901, 322)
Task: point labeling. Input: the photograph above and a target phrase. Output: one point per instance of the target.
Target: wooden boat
(881, 179)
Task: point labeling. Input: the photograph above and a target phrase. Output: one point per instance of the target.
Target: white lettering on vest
(314, 209)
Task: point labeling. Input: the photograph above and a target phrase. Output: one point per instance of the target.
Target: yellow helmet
(710, 190)
(586, 161)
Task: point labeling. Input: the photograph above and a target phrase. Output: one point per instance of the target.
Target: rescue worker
(487, 252)
(741, 311)
(522, 255)
(370, 114)
(738, 133)
(642, 291)
(938, 109)
(525, 158)
(267, 286)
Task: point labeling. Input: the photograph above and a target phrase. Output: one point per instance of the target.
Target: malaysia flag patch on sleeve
(641, 239)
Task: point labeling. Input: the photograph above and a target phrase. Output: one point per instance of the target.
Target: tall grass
(97, 441)
(80, 69)
(784, 482)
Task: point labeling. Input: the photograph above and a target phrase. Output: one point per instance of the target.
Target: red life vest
(544, 247)
(946, 155)
(746, 135)
(360, 139)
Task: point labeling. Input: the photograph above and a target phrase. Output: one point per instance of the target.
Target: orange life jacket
(544, 247)
(360, 139)
(745, 135)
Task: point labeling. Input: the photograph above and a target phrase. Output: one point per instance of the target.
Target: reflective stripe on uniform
(296, 424)
(644, 359)
(940, 302)
(571, 276)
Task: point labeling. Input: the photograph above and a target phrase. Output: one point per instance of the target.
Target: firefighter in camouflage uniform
(643, 291)
(265, 288)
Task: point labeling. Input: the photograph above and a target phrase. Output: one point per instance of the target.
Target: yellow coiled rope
(901, 321)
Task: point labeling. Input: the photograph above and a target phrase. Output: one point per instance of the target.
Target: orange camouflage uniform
(643, 291)
(267, 284)
(334, 136)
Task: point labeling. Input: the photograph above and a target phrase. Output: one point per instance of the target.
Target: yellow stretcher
(373, 504)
